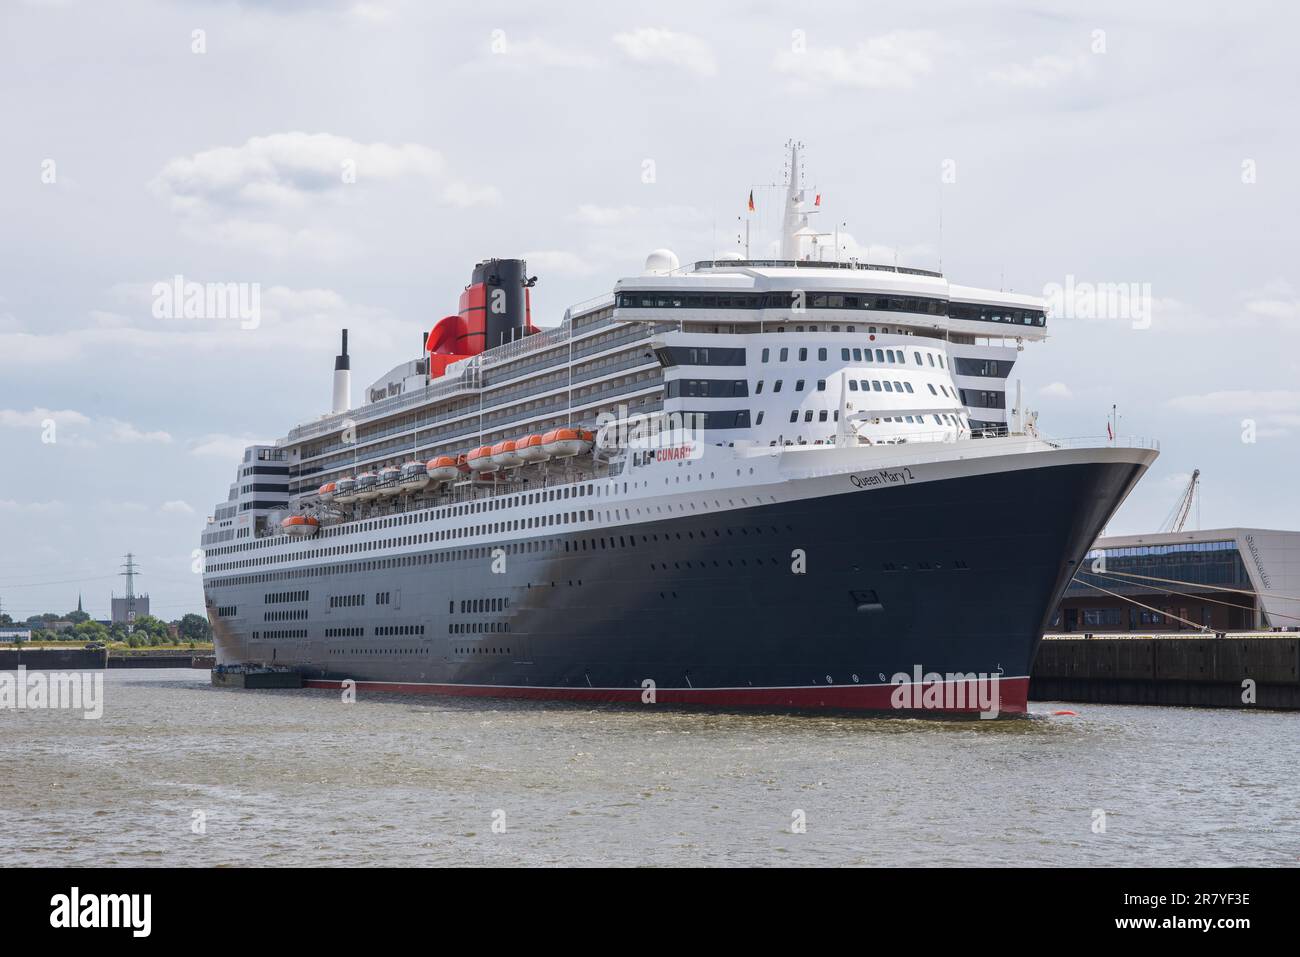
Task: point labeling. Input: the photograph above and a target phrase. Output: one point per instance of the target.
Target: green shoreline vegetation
(190, 633)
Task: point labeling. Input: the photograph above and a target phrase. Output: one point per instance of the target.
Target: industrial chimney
(343, 378)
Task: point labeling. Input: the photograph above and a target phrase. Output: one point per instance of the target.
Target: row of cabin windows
(290, 614)
(282, 633)
(347, 601)
(275, 598)
(823, 415)
(469, 606)
(875, 385)
(892, 356)
(478, 628)
(398, 561)
(385, 631)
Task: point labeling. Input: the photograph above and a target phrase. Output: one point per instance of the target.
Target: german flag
(751, 200)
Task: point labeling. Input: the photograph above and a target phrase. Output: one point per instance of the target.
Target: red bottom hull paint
(1013, 696)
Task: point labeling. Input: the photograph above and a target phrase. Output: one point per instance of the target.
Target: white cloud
(37, 417)
(465, 196)
(589, 214)
(270, 194)
(77, 428)
(371, 12)
(1277, 301)
(893, 60)
(290, 318)
(119, 431)
(10, 505)
(559, 262)
(228, 447)
(510, 53)
(1041, 72)
(655, 45)
(286, 169)
(1056, 390)
(1246, 402)
(179, 506)
(849, 248)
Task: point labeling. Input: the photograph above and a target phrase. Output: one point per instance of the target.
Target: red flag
(818, 200)
(751, 200)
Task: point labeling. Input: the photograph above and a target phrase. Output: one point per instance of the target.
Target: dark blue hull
(947, 576)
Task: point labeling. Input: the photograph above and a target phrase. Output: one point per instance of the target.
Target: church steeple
(79, 609)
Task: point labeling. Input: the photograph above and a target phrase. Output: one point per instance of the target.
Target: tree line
(145, 631)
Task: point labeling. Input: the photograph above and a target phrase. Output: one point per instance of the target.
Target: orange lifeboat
(327, 491)
(530, 449)
(300, 525)
(480, 460)
(505, 455)
(442, 469)
(565, 443)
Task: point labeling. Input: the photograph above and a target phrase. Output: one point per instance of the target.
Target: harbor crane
(1178, 517)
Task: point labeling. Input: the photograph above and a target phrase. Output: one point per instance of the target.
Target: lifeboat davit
(327, 491)
(300, 525)
(530, 449)
(346, 490)
(388, 478)
(442, 469)
(480, 460)
(366, 486)
(414, 477)
(505, 455)
(565, 443)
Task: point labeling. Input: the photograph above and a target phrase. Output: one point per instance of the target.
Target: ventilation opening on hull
(866, 600)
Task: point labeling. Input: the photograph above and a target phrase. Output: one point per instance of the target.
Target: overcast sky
(1110, 142)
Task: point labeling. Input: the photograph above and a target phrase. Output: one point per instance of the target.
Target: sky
(351, 161)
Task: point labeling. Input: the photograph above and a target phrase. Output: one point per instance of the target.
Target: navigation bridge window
(921, 305)
(710, 388)
(989, 368)
(699, 356)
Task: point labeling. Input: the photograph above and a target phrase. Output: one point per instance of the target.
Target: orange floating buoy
(1072, 714)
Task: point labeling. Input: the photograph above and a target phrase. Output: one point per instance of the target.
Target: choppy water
(289, 777)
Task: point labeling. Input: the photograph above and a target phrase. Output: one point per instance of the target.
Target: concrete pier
(1193, 670)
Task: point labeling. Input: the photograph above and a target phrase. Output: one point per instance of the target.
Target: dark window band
(918, 305)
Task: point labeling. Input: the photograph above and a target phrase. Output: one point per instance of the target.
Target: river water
(299, 777)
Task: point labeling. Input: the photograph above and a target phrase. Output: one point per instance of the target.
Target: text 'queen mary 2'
(772, 484)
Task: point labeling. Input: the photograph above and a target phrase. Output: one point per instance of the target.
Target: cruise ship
(789, 483)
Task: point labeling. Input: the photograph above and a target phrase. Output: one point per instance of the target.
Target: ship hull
(861, 600)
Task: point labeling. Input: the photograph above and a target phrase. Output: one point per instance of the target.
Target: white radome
(661, 262)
